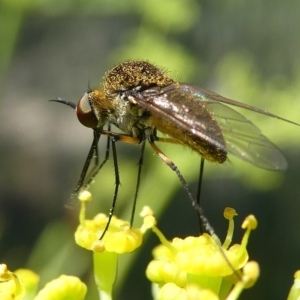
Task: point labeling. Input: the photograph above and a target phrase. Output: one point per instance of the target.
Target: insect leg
(94, 151)
(174, 168)
(175, 141)
(125, 138)
(140, 163)
(198, 208)
(88, 160)
(117, 183)
(201, 226)
(93, 173)
(115, 137)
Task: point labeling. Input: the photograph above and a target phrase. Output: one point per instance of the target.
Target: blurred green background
(244, 50)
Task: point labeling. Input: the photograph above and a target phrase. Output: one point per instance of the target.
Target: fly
(141, 100)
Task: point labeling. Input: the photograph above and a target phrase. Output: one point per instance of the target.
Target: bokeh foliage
(248, 51)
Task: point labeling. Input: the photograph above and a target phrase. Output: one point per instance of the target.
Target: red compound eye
(85, 113)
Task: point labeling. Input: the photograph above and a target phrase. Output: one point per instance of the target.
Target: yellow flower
(30, 281)
(63, 288)
(294, 293)
(171, 291)
(119, 238)
(23, 283)
(11, 287)
(202, 261)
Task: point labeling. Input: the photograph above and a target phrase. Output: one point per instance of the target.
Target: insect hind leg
(174, 168)
(203, 220)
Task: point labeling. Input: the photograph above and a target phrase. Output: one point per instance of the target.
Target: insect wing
(242, 138)
(175, 112)
(245, 140)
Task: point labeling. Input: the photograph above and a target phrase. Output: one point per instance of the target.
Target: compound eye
(85, 113)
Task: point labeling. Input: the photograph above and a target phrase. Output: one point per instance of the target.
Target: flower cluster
(23, 283)
(200, 267)
(192, 268)
(117, 239)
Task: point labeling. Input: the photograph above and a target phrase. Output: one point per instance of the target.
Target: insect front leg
(115, 137)
(93, 149)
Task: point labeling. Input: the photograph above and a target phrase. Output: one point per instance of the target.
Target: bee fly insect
(140, 99)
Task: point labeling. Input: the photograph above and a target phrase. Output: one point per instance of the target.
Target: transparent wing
(189, 107)
(244, 140)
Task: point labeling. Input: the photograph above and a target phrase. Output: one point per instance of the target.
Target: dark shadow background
(245, 51)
